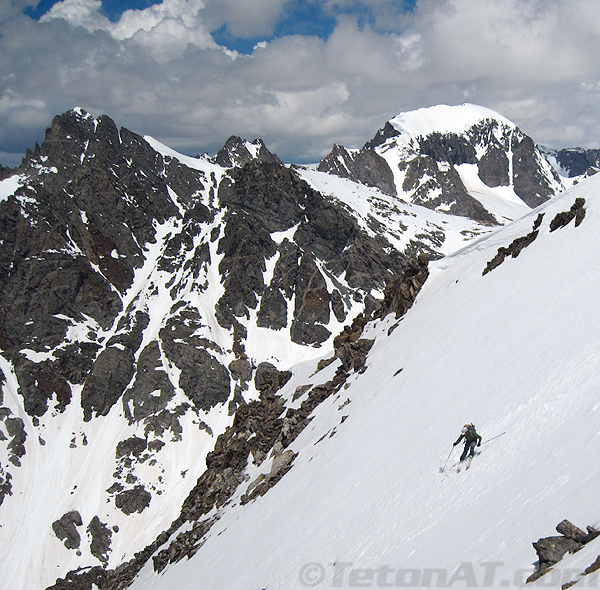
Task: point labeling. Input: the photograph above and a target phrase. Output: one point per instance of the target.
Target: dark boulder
(134, 500)
(65, 529)
(101, 537)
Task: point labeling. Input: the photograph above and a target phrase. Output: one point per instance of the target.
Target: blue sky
(113, 9)
(301, 75)
(298, 17)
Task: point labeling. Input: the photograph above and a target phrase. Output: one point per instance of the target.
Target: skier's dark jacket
(469, 436)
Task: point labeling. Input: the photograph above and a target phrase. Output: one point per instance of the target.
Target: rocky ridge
(154, 304)
(144, 289)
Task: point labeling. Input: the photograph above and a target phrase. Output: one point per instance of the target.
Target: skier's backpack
(468, 429)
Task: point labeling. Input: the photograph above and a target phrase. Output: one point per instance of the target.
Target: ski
(467, 462)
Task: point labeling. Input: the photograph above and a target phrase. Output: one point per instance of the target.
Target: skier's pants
(469, 450)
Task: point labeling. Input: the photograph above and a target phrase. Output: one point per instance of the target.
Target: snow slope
(365, 505)
(442, 119)
(401, 222)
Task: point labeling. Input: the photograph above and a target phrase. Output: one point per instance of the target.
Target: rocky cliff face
(450, 170)
(263, 199)
(141, 293)
(92, 201)
(365, 166)
(576, 162)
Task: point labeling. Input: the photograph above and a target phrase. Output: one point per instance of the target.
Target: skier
(471, 437)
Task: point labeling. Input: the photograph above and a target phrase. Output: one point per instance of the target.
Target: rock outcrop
(401, 292)
(515, 247)
(65, 528)
(365, 166)
(576, 212)
(551, 550)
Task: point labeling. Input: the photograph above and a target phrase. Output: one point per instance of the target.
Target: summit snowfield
(516, 351)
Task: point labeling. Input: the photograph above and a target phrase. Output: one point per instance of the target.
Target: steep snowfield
(365, 505)
(402, 222)
(501, 201)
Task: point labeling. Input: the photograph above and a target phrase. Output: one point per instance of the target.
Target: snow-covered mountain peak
(463, 160)
(443, 119)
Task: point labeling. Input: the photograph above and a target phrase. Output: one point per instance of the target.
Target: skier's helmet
(464, 429)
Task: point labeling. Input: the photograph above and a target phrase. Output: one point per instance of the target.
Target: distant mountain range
(574, 162)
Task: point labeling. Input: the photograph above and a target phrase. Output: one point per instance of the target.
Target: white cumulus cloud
(159, 71)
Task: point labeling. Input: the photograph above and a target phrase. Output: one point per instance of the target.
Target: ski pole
(493, 437)
(444, 467)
